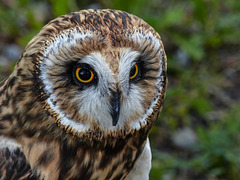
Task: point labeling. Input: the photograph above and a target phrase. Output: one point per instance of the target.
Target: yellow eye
(84, 75)
(134, 72)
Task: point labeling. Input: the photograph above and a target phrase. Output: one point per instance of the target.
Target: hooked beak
(115, 103)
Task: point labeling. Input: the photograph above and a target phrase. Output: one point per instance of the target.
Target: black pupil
(85, 74)
(132, 71)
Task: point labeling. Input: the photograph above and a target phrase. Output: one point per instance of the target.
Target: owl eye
(134, 72)
(84, 75)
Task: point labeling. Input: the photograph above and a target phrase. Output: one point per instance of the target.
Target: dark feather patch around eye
(65, 77)
(85, 72)
(148, 64)
(135, 73)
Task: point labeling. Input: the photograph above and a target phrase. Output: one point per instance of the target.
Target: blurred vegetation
(202, 42)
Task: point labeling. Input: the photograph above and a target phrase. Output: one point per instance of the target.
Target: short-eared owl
(82, 99)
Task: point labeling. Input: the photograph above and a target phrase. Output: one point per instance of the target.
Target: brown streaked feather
(14, 166)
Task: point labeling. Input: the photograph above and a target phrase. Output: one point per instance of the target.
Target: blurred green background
(197, 134)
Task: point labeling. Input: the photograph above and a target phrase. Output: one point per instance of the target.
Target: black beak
(115, 103)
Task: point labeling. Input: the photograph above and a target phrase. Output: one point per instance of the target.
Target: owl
(82, 99)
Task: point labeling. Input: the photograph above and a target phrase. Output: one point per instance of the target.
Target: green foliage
(220, 147)
(215, 156)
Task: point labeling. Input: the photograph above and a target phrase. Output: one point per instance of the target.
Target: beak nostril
(115, 104)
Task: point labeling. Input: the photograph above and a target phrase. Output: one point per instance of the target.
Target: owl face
(100, 71)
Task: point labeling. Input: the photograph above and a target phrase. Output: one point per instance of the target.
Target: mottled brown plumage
(66, 133)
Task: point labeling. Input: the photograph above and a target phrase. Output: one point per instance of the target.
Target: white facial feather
(67, 40)
(95, 100)
(105, 75)
(142, 38)
(127, 58)
(8, 143)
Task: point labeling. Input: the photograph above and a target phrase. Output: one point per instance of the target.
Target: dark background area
(197, 136)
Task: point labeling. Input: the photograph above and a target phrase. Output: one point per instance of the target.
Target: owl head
(97, 73)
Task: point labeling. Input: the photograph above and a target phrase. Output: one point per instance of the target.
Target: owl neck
(58, 159)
